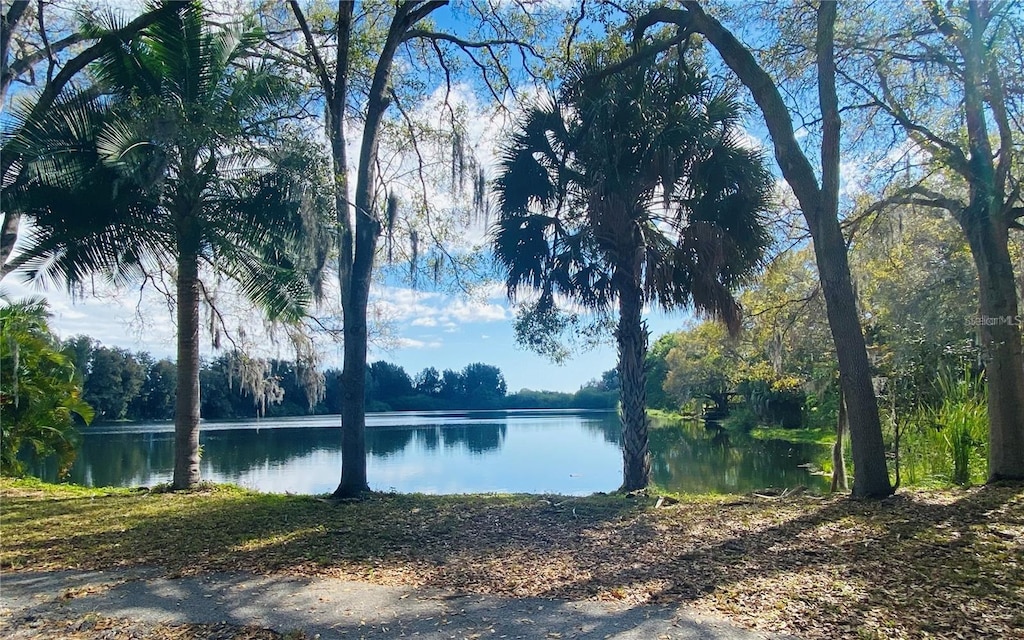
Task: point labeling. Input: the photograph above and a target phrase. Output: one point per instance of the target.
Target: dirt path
(235, 605)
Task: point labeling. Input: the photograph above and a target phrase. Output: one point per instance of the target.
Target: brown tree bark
(986, 225)
(1000, 332)
(631, 337)
(820, 208)
(838, 458)
(358, 229)
(187, 402)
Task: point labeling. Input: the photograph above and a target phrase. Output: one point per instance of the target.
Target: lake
(525, 451)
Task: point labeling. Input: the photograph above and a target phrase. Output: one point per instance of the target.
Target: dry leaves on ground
(942, 564)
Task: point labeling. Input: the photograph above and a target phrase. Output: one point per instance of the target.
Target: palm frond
(640, 167)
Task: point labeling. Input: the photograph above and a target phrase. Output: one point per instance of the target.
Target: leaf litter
(922, 564)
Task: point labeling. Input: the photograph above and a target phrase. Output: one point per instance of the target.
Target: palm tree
(632, 188)
(167, 164)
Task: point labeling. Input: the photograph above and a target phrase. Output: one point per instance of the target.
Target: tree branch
(796, 169)
(917, 195)
(917, 132)
(829, 103)
(314, 50)
(468, 44)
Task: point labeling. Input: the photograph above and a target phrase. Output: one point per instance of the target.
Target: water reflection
(476, 439)
(696, 459)
(516, 451)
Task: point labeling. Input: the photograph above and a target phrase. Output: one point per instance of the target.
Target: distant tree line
(123, 385)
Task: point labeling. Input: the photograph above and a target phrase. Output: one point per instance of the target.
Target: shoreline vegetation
(924, 563)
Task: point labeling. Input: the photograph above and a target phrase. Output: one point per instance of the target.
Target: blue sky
(427, 329)
(423, 328)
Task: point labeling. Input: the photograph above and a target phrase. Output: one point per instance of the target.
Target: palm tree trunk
(632, 341)
(186, 408)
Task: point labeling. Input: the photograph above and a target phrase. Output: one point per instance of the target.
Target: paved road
(341, 609)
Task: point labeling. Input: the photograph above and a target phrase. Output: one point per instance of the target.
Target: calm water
(569, 452)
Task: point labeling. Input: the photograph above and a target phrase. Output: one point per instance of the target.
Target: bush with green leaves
(39, 395)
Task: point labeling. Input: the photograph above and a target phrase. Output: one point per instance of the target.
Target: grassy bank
(825, 437)
(920, 564)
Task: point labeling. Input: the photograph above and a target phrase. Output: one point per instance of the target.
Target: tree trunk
(838, 457)
(8, 238)
(632, 341)
(870, 472)
(986, 226)
(820, 209)
(186, 408)
(871, 475)
(353, 407)
(355, 300)
(1000, 330)
(359, 244)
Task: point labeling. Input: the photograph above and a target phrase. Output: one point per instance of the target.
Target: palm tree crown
(167, 163)
(642, 170)
(632, 188)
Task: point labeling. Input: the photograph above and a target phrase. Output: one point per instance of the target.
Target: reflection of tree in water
(687, 457)
(476, 438)
(125, 459)
(118, 459)
(385, 441)
(695, 459)
(607, 426)
(233, 452)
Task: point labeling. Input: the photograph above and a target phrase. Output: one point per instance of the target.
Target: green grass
(801, 436)
(662, 418)
(777, 563)
(227, 527)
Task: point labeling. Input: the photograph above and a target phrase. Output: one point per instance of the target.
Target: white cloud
(475, 311)
(409, 343)
(430, 309)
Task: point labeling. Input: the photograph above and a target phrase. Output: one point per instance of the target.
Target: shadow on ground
(333, 608)
(920, 563)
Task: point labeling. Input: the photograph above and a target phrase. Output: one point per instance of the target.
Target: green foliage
(703, 363)
(387, 382)
(657, 373)
(912, 269)
(39, 396)
(632, 183)
(775, 401)
(112, 378)
(178, 158)
(946, 440)
(824, 437)
(156, 397)
(484, 385)
(741, 420)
